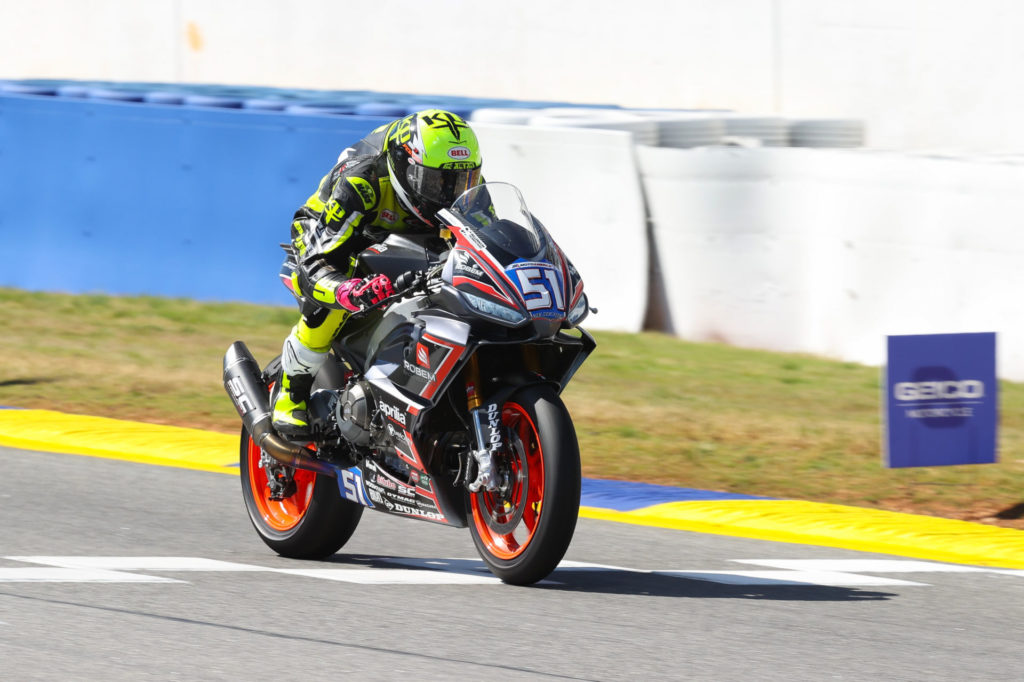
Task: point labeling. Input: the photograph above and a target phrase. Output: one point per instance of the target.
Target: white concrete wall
(584, 186)
(829, 252)
(936, 74)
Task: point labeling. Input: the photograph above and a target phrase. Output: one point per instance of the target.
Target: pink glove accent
(356, 294)
(344, 293)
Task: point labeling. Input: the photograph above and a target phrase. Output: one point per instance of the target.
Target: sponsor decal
(385, 482)
(473, 239)
(942, 400)
(418, 371)
(416, 511)
(422, 480)
(366, 193)
(388, 216)
(393, 413)
(242, 401)
(458, 165)
(459, 153)
(422, 355)
(969, 389)
(493, 422)
(396, 434)
(467, 265)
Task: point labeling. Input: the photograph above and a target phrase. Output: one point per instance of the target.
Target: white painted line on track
(391, 576)
(49, 574)
(139, 563)
(441, 571)
(820, 578)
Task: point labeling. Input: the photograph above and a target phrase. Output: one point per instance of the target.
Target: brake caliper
(279, 478)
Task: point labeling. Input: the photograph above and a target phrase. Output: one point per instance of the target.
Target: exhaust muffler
(244, 383)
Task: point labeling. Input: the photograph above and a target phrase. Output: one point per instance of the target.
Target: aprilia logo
(393, 412)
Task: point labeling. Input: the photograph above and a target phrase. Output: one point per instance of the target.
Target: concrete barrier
(584, 186)
(129, 198)
(830, 251)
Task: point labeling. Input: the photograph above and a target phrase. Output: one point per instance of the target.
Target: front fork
(486, 421)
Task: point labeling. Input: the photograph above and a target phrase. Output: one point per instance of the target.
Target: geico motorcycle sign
(941, 400)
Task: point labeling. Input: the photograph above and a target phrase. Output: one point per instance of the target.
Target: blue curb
(629, 495)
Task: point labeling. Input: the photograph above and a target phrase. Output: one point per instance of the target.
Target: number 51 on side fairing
(442, 403)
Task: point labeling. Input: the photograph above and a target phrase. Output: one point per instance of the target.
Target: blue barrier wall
(129, 198)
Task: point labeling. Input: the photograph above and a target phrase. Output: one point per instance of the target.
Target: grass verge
(647, 407)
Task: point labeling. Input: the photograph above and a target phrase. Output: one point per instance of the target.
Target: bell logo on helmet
(459, 152)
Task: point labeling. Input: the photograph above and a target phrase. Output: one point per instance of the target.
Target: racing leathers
(354, 207)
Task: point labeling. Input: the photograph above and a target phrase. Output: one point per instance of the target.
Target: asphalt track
(746, 516)
(121, 570)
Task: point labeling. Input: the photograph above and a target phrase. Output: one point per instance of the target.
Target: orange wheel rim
(507, 519)
(280, 515)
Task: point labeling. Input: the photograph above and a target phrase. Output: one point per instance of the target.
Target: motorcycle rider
(395, 179)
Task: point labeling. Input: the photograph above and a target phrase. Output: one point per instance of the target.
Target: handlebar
(407, 283)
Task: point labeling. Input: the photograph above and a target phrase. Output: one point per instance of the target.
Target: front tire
(313, 522)
(523, 529)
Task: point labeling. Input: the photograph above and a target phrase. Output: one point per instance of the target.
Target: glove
(356, 294)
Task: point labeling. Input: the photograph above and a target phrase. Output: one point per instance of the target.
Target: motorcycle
(441, 403)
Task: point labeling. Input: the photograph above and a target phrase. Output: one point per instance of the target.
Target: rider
(395, 179)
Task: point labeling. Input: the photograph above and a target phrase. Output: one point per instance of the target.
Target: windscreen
(498, 215)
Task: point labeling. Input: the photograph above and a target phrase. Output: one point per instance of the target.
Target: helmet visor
(441, 185)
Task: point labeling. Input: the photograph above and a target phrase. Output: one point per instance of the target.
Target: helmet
(433, 157)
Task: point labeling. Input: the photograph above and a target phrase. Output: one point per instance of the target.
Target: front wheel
(309, 519)
(523, 529)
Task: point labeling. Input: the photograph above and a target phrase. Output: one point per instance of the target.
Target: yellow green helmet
(433, 157)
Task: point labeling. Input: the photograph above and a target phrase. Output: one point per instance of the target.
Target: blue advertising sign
(941, 400)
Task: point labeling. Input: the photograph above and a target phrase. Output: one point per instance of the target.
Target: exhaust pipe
(244, 383)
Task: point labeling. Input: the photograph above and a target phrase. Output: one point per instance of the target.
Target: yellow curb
(831, 525)
(114, 439)
(812, 523)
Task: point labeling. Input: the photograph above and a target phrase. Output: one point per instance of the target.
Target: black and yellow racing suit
(354, 207)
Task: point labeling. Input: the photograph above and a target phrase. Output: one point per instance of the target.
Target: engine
(347, 413)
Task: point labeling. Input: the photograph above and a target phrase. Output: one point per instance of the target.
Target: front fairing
(504, 266)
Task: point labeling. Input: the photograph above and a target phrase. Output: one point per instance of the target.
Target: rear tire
(523, 530)
(312, 523)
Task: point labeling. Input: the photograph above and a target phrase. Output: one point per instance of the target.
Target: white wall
(829, 252)
(937, 74)
(584, 186)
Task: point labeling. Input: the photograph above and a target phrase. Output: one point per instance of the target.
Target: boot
(299, 365)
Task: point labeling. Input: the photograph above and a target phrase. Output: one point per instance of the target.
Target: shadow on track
(613, 580)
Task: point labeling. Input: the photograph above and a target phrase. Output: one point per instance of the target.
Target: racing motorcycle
(440, 403)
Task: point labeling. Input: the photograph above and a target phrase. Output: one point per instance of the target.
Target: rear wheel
(302, 514)
(523, 529)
